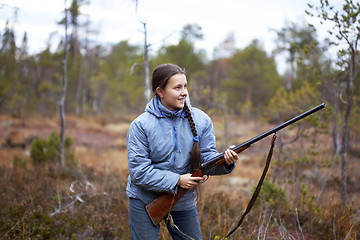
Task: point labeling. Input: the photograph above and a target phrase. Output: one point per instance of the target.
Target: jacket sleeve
(208, 149)
(141, 170)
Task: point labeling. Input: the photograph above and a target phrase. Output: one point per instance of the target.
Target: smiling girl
(161, 142)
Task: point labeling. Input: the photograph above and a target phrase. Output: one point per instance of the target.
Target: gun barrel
(265, 134)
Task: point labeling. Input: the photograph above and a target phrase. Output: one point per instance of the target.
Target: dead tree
(146, 58)
(63, 95)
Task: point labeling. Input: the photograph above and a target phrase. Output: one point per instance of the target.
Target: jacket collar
(156, 108)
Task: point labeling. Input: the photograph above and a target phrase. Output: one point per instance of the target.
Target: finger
(227, 157)
(230, 153)
(189, 185)
(233, 156)
(197, 179)
(192, 184)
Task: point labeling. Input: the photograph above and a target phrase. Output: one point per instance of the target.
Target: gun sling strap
(258, 187)
(252, 200)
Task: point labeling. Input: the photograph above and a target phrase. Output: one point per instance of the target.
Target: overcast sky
(116, 19)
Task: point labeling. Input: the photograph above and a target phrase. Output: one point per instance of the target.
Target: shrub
(19, 162)
(38, 205)
(48, 151)
(271, 195)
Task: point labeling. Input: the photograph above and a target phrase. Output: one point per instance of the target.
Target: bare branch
(352, 226)
(132, 69)
(299, 225)
(341, 98)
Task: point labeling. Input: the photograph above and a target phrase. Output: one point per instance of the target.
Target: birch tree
(147, 91)
(63, 96)
(346, 30)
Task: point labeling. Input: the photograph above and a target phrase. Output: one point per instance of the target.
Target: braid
(195, 156)
(190, 119)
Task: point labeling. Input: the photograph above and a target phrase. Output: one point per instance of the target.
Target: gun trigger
(206, 178)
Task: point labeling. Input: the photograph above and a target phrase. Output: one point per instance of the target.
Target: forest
(312, 189)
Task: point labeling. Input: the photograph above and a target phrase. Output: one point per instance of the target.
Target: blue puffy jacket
(159, 143)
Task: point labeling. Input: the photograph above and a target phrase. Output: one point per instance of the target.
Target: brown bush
(52, 204)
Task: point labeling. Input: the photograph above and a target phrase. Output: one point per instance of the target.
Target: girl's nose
(184, 91)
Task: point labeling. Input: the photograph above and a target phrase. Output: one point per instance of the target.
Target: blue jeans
(141, 226)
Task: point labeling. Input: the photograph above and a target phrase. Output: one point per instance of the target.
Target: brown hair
(160, 78)
(195, 151)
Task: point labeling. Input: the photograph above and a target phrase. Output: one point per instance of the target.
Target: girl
(160, 144)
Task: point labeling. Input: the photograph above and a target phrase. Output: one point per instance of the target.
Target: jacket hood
(156, 108)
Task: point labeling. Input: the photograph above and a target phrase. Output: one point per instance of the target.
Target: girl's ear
(160, 92)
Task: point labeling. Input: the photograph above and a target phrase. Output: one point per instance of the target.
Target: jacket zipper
(175, 148)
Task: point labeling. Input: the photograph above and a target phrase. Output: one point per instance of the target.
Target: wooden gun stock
(162, 205)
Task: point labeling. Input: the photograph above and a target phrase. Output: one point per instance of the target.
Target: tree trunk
(335, 130)
(248, 97)
(63, 96)
(226, 121)
(146, 66)
(345, 136)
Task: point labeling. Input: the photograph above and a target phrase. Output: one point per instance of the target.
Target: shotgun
(162, 205)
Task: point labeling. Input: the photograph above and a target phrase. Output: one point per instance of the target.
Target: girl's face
(174, 95)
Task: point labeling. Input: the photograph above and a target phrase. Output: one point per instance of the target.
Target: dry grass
(42, 202)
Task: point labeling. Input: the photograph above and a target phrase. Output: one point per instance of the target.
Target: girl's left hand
(230, 156)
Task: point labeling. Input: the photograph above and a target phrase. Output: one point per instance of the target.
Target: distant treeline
(110, 80)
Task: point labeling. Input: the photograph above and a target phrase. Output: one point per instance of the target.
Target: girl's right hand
(186, 181)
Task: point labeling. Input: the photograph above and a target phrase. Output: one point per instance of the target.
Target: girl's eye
(180, 87)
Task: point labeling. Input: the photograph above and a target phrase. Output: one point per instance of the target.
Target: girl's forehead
(177, 79)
